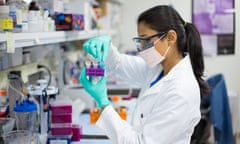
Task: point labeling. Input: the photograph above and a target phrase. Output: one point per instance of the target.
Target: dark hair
(164, 18)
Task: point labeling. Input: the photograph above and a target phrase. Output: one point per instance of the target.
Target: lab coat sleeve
(163, 126)
(131, 69)
(118, 130)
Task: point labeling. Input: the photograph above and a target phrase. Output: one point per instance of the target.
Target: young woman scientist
(169, 72)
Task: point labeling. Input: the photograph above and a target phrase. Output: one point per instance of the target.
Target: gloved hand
(97, 91)
(98, 47)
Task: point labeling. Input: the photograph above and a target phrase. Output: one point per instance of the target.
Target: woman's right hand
(97, 91)
(98, 47)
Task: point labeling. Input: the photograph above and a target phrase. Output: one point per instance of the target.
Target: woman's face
(145, 31)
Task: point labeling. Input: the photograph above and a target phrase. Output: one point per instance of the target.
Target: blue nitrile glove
(97, 91)
(98, 47)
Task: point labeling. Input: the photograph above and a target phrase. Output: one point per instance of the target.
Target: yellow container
(122, 111)
(94, 115)
(6, 22)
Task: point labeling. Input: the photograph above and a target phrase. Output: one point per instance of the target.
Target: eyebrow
(143, 35)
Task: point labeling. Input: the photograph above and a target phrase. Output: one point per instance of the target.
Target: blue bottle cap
(25, 106)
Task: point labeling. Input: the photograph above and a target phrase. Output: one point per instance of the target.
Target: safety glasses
(143, 43)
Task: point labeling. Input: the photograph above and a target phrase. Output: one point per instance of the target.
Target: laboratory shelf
(41, 38)
(71, 36)
(31, 39)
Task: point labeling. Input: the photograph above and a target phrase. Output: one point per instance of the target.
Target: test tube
(87, 63)
(94, 115)
(88, 66)
(101, 66)
(95, 77)
(94, 69)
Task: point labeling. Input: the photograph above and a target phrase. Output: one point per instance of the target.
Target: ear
(172, 37)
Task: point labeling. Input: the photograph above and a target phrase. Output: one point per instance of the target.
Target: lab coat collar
(183, 64)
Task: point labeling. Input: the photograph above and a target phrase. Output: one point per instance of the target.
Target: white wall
(228, 65)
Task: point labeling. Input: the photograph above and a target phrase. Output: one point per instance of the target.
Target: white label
(10, 42)
(58, 142)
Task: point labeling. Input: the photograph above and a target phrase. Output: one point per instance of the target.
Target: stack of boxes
(62, 128)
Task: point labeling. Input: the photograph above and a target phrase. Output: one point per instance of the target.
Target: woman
(169, 72)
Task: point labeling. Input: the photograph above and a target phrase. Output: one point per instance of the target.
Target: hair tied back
(185, 24)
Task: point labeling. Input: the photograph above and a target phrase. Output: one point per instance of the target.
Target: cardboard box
(81, 7)
(77, 22)
(73, 22)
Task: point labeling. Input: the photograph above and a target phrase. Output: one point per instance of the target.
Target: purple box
(61, 129)
(77, 22)
(64, 118)
(61, 107)
(77, 132)
(95, 72)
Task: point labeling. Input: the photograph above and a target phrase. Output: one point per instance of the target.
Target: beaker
(25, 115)
(18, 137)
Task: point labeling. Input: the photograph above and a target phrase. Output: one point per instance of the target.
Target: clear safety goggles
(143, 43)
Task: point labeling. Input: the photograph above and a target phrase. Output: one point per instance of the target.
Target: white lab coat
(166, 113)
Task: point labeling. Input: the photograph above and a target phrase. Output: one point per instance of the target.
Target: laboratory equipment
(61, 112)
(122, 111)
(61, 118)
(43, 96)
(65, 139)
(61, 129)
(6, 21)
(15, 86)
(6, 125)
(76, 132)
(3, 103)
(61, 115)
(18, 137)
(61, 106)
(94, 115)
(94, 70)
(26, 115)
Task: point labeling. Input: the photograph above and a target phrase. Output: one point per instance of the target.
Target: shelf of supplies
(41, 38)
(71, 36)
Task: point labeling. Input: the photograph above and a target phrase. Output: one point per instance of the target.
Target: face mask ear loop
(166, 51)
(157, 41)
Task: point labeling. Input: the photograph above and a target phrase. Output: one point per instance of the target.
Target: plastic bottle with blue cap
(25, 114)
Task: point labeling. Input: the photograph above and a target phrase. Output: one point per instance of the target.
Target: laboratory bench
(92, 134)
